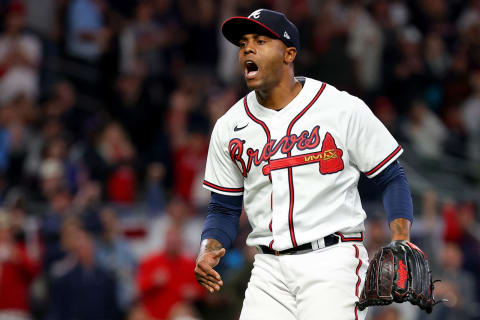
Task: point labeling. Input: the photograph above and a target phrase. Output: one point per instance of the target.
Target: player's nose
(249, 48)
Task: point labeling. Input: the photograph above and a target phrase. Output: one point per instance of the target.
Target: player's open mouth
(251, 69)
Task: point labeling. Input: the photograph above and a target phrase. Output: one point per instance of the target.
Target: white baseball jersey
(298, 167)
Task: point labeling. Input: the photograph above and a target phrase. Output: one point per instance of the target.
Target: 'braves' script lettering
(305, 140)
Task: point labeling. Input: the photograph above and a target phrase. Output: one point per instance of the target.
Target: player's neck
(279, 96)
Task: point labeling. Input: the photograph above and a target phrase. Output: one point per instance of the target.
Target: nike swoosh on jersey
(238, 129)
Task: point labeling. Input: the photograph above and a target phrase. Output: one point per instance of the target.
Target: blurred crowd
(106, 107)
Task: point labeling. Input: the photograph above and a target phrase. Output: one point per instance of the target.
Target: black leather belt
(330, 240)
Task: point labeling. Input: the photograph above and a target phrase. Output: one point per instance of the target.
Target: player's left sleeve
(370, 145)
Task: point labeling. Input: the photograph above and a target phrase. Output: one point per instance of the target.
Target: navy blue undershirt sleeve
(222, 219)
(397, 199)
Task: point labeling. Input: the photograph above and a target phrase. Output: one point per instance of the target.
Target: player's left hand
(206, 276)
(399, 272)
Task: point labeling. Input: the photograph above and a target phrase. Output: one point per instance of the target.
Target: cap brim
(235, 28)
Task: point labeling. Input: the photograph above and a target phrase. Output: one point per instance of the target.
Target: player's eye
(260, 41)
(242, 44)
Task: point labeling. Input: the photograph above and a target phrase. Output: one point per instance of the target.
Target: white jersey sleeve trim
(222, 190)
(385, 163)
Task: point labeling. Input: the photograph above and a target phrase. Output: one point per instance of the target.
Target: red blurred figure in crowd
(189, 162)
(165, 279)
(17, 272)
(20, 56)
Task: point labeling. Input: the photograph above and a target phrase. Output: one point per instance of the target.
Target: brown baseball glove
(399, 272)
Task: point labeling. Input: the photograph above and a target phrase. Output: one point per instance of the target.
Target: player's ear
(289, 55)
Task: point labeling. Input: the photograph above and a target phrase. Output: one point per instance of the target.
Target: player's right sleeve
(221, 174)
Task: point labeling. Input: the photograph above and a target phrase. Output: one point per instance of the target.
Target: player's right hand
(206, 276)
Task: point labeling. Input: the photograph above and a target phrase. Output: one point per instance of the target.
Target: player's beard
(269, 76)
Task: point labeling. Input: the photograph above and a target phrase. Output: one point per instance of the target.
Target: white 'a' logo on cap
(255, 14)
(286, 35)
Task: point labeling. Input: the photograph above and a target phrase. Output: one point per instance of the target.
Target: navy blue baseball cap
(262, 21)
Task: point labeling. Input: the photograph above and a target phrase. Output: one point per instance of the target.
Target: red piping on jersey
(214, 186)
(267, 133)
(271, 245)
(260, 122)
(271, 201)
(357, 286)
(397, 150)
(290, 175)
(345, 239)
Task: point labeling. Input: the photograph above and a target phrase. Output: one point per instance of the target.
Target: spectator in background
(365, 47)
(377, 235)
(456, 144)
(183, 310)
(166, 278)
(387, 114)
(470, 16)
(201, 19)
(428, 229)
(437, 58)
(57, 213)
(81, 289)
(87, 33)
(425, 131)
(141, 43)
(114, 255)
(218, 101)
(112, 160)
(437, 65)
(408, 80)
(329, 60)
(87, 46)
(180, 106)
(42, 18)
(49, 129)
(17, 271)
(469, 241)
(17, 123)
(131, 106)
(457, 286)
(24, 226)
(64, 105)
(154, 192)
(456, 84)
(138, 312)
(178, 215)
(52, 178)
(189, 162)
(87, 204)
(58, 149)
(20, 56)
(470, 113)
(384, 313)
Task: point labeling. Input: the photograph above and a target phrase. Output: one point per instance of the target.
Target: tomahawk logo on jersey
(283, 161)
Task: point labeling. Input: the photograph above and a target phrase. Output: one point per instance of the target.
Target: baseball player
(292, 151)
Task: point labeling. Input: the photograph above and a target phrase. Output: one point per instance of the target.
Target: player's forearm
(222, 219)
(400, 229)
(210, 245)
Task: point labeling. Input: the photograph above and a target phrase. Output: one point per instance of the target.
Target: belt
(327, 241)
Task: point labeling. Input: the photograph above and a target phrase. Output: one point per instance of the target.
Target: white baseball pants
(322, 284)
